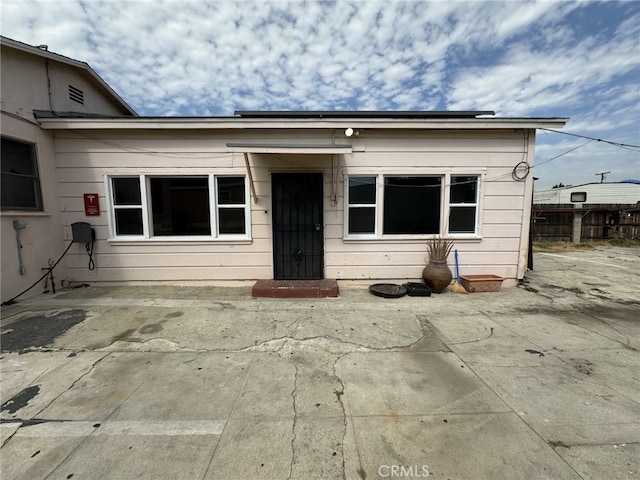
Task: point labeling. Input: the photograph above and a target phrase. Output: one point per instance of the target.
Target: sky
(518, 58)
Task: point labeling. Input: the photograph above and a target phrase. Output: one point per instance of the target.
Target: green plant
(439, 249)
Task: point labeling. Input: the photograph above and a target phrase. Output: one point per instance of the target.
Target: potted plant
(436, 273)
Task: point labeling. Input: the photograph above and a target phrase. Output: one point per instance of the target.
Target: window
(127, 205)
(19, 172)
(463, 204)
(200, 206)
(578, 197)
(180, 206)
(362, 205)
(231, 205)
(411, 205)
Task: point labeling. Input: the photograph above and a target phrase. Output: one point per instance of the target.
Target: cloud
(195, 57)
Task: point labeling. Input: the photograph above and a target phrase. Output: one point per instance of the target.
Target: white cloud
(195, 57)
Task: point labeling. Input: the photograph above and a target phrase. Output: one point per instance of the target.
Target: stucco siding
(42, 238)
(84, 161)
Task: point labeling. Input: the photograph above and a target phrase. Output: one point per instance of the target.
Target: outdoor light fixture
(350, 132)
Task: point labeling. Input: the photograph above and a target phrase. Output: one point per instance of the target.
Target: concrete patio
(538, 381)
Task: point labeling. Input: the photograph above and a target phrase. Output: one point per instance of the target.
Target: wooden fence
(554, 223)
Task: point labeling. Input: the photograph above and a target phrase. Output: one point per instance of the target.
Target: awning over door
(312, 148)
(300, 148)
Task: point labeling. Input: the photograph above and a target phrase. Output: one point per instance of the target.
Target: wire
(521, 171)
(89, 248)
(564, 153)
(49, 270)
(617, 144)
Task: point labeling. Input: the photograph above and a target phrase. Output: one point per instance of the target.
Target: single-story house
(296, 195)
(347, 195)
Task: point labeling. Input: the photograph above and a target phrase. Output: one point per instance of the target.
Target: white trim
(242, 123)
(147, 214)
(449, 205)
(444, 174)
(348, 206)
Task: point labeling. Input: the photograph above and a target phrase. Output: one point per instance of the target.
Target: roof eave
(238, 123)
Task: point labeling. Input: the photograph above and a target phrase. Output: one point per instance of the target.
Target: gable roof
(42, 51)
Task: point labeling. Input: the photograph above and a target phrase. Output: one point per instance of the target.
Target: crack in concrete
(344, 413)
(35, 420)
(295, 419)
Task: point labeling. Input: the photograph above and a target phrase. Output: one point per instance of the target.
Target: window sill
(180, 241)
(23, 213)
(408, 239)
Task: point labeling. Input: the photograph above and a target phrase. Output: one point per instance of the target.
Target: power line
(617, 144)
(564, 153)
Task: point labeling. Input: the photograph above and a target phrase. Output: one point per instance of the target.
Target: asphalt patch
(20, 400)
(38, 330)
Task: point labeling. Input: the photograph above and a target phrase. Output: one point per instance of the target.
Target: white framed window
(412, 205)
(463, 204)
(179, 207)
(362, 205)
(127, 210)
(407, 206)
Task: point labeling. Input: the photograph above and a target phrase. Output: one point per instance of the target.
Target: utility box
(81, 232)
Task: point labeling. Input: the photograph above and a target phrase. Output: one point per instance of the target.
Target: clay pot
(437, 276)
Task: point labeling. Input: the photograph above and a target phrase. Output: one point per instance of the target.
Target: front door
(298, 250)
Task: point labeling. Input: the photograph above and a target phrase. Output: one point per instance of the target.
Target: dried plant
(439, 249)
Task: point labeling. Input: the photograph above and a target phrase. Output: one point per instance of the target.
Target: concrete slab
(414, 384)
(253, 449)
(533, 382)
(458, 446)
(28, 458)
(20, 370)
(95, 395)
(532, 391)
(267, 390)
(42, 384)
(187, 387)
(615, 462)
(138, 456)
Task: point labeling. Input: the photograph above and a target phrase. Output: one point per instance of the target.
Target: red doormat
(295, 289)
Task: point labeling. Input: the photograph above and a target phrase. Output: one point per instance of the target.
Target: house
(592, 211)
(347, 195)
(32, 78)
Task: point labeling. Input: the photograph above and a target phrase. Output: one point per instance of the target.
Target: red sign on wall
(91, 205)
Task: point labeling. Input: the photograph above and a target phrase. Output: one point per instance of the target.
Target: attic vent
(76, 94)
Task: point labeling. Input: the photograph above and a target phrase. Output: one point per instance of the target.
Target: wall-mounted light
(350, 132)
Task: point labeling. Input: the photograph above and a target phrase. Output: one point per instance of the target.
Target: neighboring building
(262, 195)
(593, 211)
(32, 78)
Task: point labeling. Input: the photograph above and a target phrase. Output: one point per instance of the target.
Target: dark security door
(297, 226)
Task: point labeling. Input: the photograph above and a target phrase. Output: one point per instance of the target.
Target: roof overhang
(242, 123)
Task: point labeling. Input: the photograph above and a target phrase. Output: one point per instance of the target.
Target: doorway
(298, 245)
